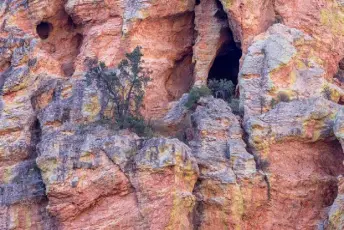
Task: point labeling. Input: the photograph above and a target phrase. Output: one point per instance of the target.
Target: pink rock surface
(277, 166)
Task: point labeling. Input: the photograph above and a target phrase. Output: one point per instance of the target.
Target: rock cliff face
(277, 165)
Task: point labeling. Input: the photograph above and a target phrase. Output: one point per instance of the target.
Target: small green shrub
(222, 88)
(225, 89)
(137, 124)
(195, 94)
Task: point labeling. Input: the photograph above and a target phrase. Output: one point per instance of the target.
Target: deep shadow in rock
(44, 29)
(226, 64)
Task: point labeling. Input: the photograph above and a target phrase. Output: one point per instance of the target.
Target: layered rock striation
(276, 164)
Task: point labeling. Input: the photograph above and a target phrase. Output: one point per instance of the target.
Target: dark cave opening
(44, 29)
(226, 64)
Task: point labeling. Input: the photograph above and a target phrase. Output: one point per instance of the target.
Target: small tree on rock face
(124, 87)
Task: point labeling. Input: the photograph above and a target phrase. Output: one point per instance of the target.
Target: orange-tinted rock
(280, 173)
(248, 18)
(211, 34)
(302, 183)
(26, 216)
(164, 176)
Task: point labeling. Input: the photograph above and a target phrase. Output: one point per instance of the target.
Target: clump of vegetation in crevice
(195, 94)
(222, 88)
(225, 89)
(124, 88)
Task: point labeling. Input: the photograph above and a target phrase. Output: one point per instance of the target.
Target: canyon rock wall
(277, 164)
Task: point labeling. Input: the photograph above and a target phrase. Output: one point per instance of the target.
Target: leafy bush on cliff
(195, 94)
(222, 88)
(225, 89)
(124, 88)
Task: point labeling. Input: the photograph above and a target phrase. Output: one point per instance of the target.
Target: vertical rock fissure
(260, 166)
(27, 184)
(130, 168)
(36, 134)
(198, 209)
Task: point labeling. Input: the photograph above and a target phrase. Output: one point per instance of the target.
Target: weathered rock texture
(278, 165)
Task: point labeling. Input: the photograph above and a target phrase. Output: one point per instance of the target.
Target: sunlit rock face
(276, 163)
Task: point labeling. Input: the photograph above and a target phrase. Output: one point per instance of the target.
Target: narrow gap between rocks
(36, 133)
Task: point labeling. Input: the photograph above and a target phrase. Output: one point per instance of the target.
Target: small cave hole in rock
(198, 2)
(44, 29)
(226, 63)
